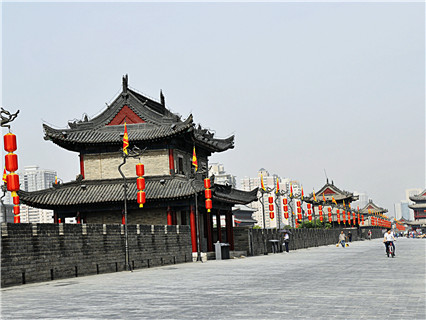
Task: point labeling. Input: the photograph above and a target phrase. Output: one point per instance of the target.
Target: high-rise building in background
(32, 178)
(402, 209)
(362, 200)
(406, 212)
(397, 210)
(270, 182)
(220, 175)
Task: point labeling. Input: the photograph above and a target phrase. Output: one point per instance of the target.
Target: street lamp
(133, 153)
(263, 191)
(197, 214)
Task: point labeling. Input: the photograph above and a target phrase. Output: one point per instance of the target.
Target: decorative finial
(7, 117)
(125, 83)
(162, 99)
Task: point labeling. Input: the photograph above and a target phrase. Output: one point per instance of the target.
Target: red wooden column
(169, 216)
(171, 162)
(174, 218)
(209, 219)
(82, 164)
(193, 229)
(230, 230)
(219, 229)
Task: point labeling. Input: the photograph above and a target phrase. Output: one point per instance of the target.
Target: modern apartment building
(220, 175)
(32, 178)
(262, 215)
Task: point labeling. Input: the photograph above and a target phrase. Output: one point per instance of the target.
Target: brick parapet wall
(42, 252)
(251, 240)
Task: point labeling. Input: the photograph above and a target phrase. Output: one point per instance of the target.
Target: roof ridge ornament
(125, 83)
(162, 98)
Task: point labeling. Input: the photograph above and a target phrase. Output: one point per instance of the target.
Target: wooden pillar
(174, 218)
(209, 231)
(169, 216)
(219, 229)
(82, 165)
(193, 229)
(55, 217)
(171, 162)
(229, 230)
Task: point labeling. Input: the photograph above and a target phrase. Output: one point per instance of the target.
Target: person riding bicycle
(388, 240)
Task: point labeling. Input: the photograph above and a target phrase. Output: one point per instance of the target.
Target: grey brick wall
(251, 240)
(105, 165)
(42, 252)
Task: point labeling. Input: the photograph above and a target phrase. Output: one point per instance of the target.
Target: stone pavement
(358, 282)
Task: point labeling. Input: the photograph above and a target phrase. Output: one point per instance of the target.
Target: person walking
(369, 234)
(350, 236)
(286, 241)
(342, 239)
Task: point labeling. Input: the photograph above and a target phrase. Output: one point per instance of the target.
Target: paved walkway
(358, 282)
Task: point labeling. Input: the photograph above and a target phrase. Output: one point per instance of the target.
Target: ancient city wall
(251, 240)
(42, 252)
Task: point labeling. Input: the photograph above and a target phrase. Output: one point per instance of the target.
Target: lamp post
(278, 195)
(134, 153)
(197, 213)
(3, 207)
(267, 190)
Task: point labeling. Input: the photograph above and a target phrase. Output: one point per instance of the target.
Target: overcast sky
(303, 86)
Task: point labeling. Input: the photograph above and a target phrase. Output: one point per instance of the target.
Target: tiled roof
(417, 206)
(94, 192)
(339, 195)
(159, 124)
(73, 139)
(419, 197)
(373, 208)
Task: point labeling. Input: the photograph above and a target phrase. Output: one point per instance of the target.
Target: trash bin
(221, 250)
(274, 244)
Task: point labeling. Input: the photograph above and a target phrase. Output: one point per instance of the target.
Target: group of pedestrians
(388, 240)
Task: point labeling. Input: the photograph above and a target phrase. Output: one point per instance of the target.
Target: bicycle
(390, 251)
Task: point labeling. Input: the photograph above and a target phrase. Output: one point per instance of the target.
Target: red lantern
(321, 218)
(320, 207)
(271, 207)
(285, 207)
(208, 193)
(207, 183)
(16, 219)
(285, 201)
(298, 203)
(16, 200)
(9, 142)
(362, 219)
(286, 214)
(11, 162)
(140, 183)
(271, 199)
(344, 216)
(140, 170)
(141, 198)
(309, 217)
(309, 205)
(16, 209)
(208, 204)
(271, 215)
(12, 180)
(299, 210)
(299, 216)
